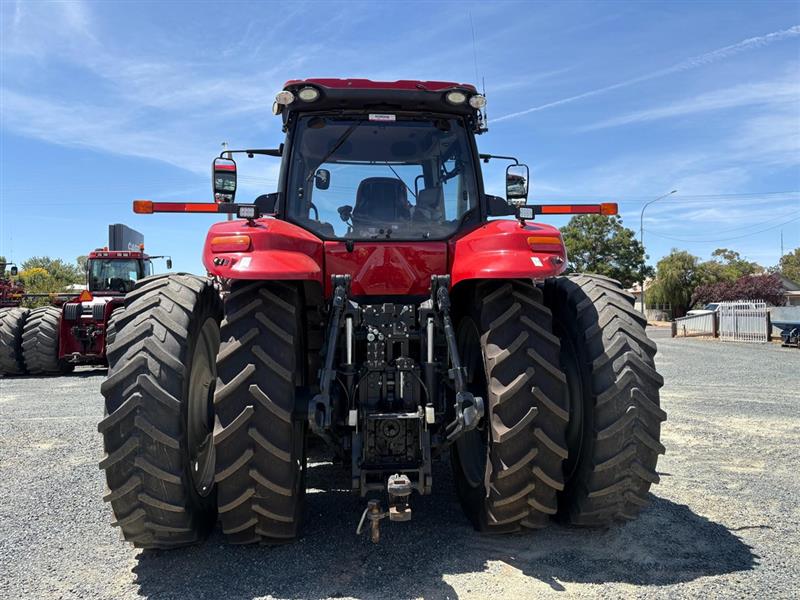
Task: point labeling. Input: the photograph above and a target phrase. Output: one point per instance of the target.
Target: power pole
(641, 239)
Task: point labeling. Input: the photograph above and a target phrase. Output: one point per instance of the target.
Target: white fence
(743, 321)
(704, 324)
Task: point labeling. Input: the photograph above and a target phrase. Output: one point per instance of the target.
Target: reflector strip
(202, 207)
(570, 209)
(605, 208)
(146, 207)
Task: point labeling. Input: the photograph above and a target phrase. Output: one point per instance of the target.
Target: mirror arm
(486, 157)
(278, 152)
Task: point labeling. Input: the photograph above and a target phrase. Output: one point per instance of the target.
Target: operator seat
(381, 200)
(430, 205)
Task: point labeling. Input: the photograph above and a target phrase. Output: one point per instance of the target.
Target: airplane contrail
(691, 63)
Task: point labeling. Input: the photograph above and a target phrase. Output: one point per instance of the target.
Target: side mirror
(517, 177)
(14, 271)
(498, 207)
(223, 174)
(345, 212)
(169, 263)
(322, 179)
(266, 203)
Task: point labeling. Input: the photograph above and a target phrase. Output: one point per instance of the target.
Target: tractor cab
(113, 272)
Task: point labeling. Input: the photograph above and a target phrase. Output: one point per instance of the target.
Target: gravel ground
(723, 522)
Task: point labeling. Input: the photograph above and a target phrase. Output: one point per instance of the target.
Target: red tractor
(52, 340)
(372, 304)
(11, 290)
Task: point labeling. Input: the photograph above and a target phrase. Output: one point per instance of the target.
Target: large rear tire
(259, 437)
(157, 433)
(615, 417)
(508, 470)
(12, 323)
(40, 342)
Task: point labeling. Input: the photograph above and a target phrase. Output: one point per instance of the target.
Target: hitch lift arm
(468, 408)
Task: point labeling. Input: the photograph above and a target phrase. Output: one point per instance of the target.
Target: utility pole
(641, 239)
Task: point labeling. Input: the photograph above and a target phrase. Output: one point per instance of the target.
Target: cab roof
(369, 84)
(103, 253)
(368, 95)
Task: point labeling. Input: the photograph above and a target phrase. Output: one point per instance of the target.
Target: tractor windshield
(114, 274)
(381, 177)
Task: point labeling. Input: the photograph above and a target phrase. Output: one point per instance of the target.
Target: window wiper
(400, 179)
(333, 150)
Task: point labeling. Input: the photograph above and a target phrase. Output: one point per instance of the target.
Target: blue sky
(104, 102)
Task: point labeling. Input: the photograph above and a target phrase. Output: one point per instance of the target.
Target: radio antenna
(474, 47)
(484, 126)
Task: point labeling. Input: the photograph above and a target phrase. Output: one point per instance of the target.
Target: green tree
(82, 261)
(733, 265)
(789, 265)
(3, 263)
(61, 273)
(601, 244)
(677, 275)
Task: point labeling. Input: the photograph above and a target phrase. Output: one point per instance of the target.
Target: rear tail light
(545, 243)
(230, 243)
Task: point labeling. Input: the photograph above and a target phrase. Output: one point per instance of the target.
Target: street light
(641, 239)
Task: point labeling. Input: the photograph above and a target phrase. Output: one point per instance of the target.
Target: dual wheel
(29, 342)
(573, 421)
(200, 419)
(201, 423)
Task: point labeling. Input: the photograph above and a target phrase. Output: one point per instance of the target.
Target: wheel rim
(472, 446)
(200, 412)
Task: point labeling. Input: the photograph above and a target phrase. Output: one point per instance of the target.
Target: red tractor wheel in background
(511, 356)
(157, 432)
(12, 323)
(615, 418)
(40, 342)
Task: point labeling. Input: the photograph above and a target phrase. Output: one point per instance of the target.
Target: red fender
(503, 249)
(271, 250)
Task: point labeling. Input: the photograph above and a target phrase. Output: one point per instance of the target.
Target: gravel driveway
(723, 521)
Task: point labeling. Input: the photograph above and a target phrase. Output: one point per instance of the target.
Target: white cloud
(691, 63)
(783, 92)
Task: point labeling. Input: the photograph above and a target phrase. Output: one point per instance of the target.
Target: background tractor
(51, 340)
(11, 290)
(375, 304)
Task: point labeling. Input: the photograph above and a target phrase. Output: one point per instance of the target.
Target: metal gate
(743, 321)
